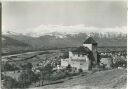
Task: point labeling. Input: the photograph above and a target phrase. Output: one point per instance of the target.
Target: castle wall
(76, 56)
(77, 61)
(88, 45)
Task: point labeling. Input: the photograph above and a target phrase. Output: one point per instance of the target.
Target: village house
(107, 62)
(82, 57)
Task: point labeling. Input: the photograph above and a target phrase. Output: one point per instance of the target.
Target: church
(83, 57)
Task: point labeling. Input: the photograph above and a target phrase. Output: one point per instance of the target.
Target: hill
(8, 41)
(12, 45)
(109, 79)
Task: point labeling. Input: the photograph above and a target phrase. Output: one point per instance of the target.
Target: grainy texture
(109, 79)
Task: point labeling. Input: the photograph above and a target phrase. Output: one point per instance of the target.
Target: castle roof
(84, 51)
(90, 40)
(81, 50)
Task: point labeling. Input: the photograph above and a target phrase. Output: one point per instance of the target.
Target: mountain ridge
(70, 40)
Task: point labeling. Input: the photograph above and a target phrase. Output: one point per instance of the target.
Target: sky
(44, 17)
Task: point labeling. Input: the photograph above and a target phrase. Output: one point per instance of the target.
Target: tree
(65, 55)
(46, 72)
(9, 82)
(80, 70)
(48, 68)
(120, 63)
(8, 67)
(27, 77)
(29, 65)
(69, 68)
(24, 79)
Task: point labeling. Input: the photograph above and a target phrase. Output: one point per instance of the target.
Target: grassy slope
(109, 79)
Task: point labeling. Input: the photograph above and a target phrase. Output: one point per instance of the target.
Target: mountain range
(59, 40)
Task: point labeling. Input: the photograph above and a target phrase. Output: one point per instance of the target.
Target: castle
(83, 57)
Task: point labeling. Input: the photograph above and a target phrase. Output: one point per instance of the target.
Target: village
(69, 44)
(41, 68)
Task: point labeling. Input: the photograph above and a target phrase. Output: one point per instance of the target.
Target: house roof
(81, 50)
(90, 40)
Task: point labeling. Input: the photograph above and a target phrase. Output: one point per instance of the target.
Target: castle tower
(92, 45)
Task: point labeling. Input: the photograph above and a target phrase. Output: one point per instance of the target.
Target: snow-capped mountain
(62, 30)
(56, 36)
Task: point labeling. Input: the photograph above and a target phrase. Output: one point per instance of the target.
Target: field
(32, 57)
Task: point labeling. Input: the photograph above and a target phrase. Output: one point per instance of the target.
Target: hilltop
(108, 79)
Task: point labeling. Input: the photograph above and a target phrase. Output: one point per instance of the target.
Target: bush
(69, 68)
(57, 76)
(65, 55)
(9, 82)
(27, 66)
(80, 70)
(8, 67)
(27, 77)
(120, 63)
(62, 74)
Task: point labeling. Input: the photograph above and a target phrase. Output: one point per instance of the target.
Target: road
(26, 53)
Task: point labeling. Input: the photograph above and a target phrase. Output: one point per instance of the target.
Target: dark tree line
(8, 67)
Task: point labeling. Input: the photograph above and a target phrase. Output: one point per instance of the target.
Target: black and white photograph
(64, 44)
